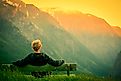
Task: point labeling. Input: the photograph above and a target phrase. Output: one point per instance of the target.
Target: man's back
(38, 59)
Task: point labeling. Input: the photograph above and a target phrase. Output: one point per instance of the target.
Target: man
(37, 58)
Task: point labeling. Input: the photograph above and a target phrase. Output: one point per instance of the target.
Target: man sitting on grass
(37, 58)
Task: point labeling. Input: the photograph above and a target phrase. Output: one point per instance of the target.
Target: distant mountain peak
(14, 3)
(117, 30)
(76, 21)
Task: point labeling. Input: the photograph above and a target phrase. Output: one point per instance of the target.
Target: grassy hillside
(17, 76)
(12, 44)
(13, 74)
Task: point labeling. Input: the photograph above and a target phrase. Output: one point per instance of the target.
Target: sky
(110, 10)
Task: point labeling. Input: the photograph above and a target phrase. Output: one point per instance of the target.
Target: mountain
(21, 23)
(102, 39)
(116, 70)
(117, 30)
(9, 43)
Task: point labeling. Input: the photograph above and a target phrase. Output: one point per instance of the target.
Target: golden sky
(110, 10)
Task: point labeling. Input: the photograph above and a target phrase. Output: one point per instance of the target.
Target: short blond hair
(36, 45)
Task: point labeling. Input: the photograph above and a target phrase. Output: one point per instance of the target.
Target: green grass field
(17, 76)
(10, 74)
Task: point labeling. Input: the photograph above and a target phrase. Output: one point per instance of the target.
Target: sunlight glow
(110, 10)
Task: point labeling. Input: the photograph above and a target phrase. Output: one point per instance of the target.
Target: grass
(17, 76)
(7, 75)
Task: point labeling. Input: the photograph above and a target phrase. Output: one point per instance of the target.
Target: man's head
(36, 45)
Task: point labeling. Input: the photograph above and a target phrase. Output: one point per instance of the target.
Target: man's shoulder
(30, 55)
(40, 54)
(45, 55)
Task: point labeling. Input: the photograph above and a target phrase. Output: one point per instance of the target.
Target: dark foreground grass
(17, 76)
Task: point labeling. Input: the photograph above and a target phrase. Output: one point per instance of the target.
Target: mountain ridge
(26, 25)
(94, 32)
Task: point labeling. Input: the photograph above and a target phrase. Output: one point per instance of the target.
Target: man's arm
(22, 62)
(54, 62)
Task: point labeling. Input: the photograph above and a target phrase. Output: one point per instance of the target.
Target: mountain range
(93, 50)
(102, 39)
